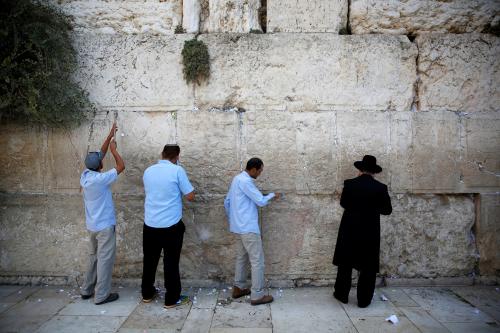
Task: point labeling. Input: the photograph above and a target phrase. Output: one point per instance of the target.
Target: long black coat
(358, 241)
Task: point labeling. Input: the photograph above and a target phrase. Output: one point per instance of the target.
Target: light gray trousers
(250, 251)
(102, 249)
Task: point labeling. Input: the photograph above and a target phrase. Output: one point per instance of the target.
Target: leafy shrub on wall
(196, 61)
(37, 60)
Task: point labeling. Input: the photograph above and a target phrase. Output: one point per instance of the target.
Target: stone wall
(307, 100)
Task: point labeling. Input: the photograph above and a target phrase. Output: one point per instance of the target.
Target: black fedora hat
(369, 164)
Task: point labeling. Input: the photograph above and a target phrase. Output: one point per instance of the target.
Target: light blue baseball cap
(93, 160)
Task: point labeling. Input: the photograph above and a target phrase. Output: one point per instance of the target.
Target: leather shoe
(111, 298)
(341, 299)
(237, 292)
(264, 300)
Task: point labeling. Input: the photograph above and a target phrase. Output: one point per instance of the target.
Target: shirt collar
(165, 162)
(247, 175)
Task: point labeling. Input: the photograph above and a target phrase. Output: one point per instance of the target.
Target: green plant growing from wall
(37, 61)
(196, 61)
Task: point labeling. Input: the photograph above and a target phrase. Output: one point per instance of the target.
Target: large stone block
(414, 16)
(436, 152)
(129, 211)
(313, 71)
(317, 150)
(233, 16)
(130, 17)
(459, 72)
(488, 234)
(42, 235)
(66, 151)
(271, 136)
(22, 156)
(299, 235)
(141, 72)
(307, 16)
(400, 148)
(210, 143)
(428, 236)
(209, 249)
(363, 133)
(141, 138)
(481, 161)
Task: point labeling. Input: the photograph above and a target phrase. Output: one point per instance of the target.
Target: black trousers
(154, 240)
(366, 285)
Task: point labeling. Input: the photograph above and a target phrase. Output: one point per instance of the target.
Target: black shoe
(111, 298)
(87, 296)
(341, 299)
(150, 299)
(363, 305)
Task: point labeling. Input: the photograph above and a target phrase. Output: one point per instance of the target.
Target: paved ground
(59, 309)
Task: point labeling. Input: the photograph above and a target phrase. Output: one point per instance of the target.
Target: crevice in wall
(415, 105)
(347, 29)
(474, 231)
(263, 15)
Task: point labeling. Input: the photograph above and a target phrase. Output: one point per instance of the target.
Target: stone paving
(48, 309)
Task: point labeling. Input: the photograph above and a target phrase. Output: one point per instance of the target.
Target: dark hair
(254, 162)
(170, 151)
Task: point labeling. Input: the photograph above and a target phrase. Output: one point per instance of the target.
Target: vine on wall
(37, 60)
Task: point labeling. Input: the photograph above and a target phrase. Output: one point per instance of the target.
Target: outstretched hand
(113, 145)
(113, 130)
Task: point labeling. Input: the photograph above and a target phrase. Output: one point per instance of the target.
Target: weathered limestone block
(191, 10)
(209, 145)
(414, 16)
(66, 151)
(270, 135)
(307, 16)
(400, 167)
(130, 17)
(459, 72)
(141, 72)
(316, 147)
(22, 156)
(363, 133)
(233, 16)
(209, 248)
(488, 234)
(141, 137)
(316, 71)
(42, 235)
(299, 235)
(481, 161)
(428, 236)
(436, 152)
(129, 210)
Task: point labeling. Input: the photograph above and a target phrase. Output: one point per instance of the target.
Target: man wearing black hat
(358, 241)
(100, 220)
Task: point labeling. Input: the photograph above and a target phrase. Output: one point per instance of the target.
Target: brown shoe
(237, 292)
(264, 300)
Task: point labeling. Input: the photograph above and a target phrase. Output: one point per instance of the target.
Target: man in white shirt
(100, 220)
(165, 183)
(241, 208)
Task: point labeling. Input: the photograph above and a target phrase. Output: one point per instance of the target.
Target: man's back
(164, 184)
(99, 208)
(241, 204)
(365, 195)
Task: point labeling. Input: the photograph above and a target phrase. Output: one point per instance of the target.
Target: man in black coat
(358, 242)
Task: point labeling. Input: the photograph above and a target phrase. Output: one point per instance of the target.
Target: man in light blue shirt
(241, 208)
(164, 184)
(100, 220)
